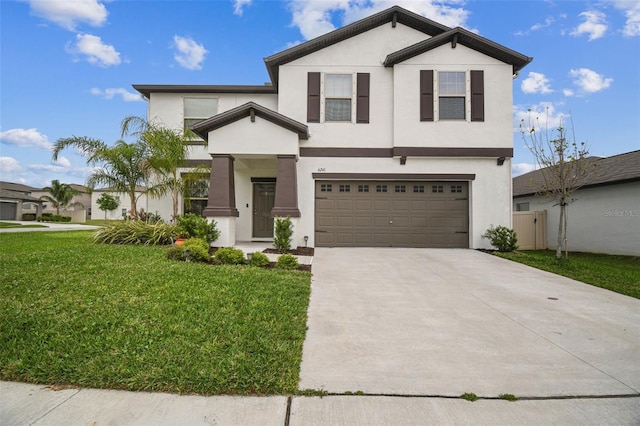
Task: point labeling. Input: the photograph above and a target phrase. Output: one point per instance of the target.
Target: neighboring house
(391, 131)
(605, 216)
(15, 198)
(149, 204)
(79, 213)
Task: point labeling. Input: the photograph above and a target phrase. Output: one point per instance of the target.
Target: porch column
(286, 201)
(221, 205)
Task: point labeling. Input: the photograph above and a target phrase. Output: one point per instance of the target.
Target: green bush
(287, 261)
(176, 253)
(259, 259)
(49, 217)
(192, 225)
(198, 250)
(502, 238)
(283, 233)
(229, 256)
(28, 216)
(136, 232)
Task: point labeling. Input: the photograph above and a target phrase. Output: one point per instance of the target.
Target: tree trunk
(134, 208)
(560, 233)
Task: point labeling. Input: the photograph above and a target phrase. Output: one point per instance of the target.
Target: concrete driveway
(445, 322)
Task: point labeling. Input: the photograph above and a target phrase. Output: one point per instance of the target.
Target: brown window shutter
(313, 97)
(426, 95)
(477, 95)
(362, 102)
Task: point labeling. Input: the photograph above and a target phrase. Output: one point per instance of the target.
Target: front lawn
(18, 225)
(124, 317)
(616, 273)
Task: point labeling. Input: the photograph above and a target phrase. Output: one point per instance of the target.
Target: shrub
(287, 261)
(283, 233)
(135, 232)
(229, 256)
(259, 259)
(176, 253)
(28, 216)
(502, 238)
(46, 215)
(198, 250)
(192, 225)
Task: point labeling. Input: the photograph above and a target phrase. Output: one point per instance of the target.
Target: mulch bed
(298, 251)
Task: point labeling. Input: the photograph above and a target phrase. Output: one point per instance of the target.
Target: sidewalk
(47, 227)
(26, 404)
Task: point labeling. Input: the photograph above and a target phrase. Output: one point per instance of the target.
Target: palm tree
(168, 151)
(120, 167)
(61, 195)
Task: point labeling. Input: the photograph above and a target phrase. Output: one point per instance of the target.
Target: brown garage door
(392, 214)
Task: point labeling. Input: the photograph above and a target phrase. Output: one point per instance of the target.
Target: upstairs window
(338, 97)
(198, 109)
(338, 90)
(452, 90)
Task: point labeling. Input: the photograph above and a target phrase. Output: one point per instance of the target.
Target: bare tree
(565, 166)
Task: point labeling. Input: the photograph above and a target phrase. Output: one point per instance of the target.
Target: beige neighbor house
(18, 199)
(391, 131)
(605, 216)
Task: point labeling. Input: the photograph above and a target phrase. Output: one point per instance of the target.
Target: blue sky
(67, 66)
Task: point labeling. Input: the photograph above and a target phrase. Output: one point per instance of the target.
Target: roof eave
(146, 89)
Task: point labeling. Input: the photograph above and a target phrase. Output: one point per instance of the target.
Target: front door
(264, 194)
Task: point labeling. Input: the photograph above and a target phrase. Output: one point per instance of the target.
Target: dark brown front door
(264, 194)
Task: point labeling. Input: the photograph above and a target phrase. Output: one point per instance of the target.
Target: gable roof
(465, 38)
(17, 195)
(612, 170)
(10, 186)
(203, 127)
(393, 15)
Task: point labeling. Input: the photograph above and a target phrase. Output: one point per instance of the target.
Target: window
(456, 188)
(326, 187)
(522, 207)
(345, 188)
(340, 97)
(337, 97)
(451, 95)
(363, 188)
(198, 109)
(400, 188)
(418, 188)
(381, 188)
(197, 196)
(437, 188)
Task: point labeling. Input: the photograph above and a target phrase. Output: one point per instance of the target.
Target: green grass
(124, 317)
(616, 273)
(18, 225)
(98, 222)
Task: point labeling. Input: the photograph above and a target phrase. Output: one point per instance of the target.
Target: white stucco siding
(488, 204)
(364, 53)
(604, 219)
(497, 127)
(253, 138)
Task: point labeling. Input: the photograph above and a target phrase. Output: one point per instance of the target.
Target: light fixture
(403, 160)
(501, 161)
(306, 238)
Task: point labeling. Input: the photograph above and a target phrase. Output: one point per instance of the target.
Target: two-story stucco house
(391, 131)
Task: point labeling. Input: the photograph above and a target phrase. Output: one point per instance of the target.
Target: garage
(8, 210)
(392, 214)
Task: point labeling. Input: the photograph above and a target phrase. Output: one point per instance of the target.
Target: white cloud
(522, 168)
(80, 172)
(110, 93)
(68, 14)
(189, 54)
(314, 17)
(96, 52)
(631, 9)
(547, 23)
(589, 81)
(26, 138)
(536, 83)
(541, 116)
(568, 92)
(9, 166)
(62, 161)
(238, 6)
(595, 25)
